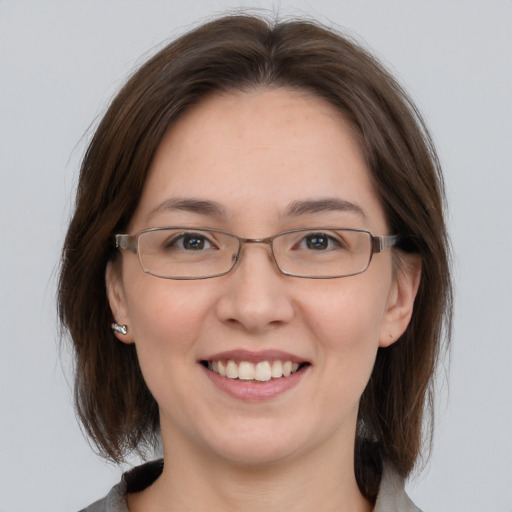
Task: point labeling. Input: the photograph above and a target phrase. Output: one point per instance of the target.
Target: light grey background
(60, 63)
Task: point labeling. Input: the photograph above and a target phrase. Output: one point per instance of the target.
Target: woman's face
(261, 163)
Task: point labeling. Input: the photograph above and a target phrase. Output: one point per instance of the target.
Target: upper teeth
(245, 370)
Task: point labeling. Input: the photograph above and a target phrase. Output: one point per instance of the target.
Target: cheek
(167, 319)
(351, 310)
(169, 308)
(347, 325)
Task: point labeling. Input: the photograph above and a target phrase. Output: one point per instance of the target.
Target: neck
(320, 480)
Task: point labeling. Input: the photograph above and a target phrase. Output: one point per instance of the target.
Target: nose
(255, 295)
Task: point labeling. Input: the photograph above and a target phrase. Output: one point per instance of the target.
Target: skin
(255, 153)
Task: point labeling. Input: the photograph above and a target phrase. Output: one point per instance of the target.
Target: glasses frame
(131, 243)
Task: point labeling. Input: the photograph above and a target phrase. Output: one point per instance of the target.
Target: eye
(319, 242)
(189, 242)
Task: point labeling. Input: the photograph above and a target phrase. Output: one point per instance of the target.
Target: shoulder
(133, 481)
(114, 501)
(392, 496)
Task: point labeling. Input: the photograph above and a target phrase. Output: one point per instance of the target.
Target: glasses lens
(323, 252)
(183, 253)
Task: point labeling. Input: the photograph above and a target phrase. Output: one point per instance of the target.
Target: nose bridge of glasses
(264, 241)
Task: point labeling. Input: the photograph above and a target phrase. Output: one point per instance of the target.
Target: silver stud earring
(120, 329)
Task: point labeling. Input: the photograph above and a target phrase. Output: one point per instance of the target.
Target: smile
(262, 371)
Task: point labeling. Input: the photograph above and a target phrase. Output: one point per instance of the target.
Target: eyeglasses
(202, 253)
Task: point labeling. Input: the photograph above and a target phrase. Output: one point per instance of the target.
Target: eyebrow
(200, 206)
(328, 204)
(294, 209)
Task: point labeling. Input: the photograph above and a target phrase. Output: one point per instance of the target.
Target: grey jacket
(391, 498)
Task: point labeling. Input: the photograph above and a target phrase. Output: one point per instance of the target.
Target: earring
(120, 329)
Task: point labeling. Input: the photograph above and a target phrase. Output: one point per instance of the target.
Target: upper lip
(255, 356)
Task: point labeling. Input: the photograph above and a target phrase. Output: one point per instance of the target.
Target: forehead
(257, 152)
(261, 119)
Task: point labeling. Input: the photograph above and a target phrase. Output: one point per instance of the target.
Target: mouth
(261, 371)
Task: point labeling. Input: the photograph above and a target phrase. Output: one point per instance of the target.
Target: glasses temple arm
(382, 242)
(127, 242)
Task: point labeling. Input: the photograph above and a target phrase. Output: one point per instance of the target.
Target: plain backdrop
(61, 62)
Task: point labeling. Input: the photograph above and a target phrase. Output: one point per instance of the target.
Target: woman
(257, 271)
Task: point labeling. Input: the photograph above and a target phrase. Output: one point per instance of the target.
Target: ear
(401, 298)
(117, 301)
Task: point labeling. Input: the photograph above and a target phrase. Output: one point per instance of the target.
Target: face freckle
(255, 155)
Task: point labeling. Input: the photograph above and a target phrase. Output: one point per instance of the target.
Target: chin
(258, 456)
(259, 444)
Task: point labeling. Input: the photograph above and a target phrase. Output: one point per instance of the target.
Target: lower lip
(253, 390)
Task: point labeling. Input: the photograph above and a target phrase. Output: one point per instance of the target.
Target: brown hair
(238, 53)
